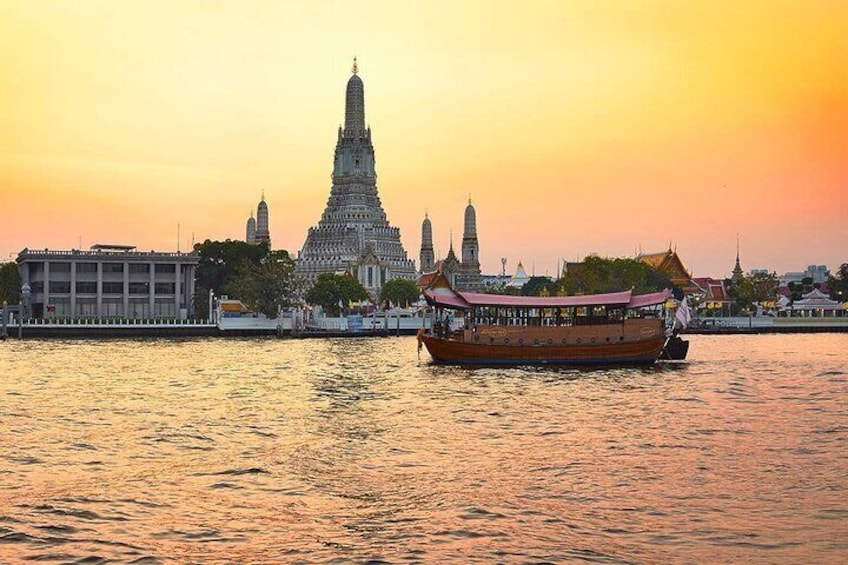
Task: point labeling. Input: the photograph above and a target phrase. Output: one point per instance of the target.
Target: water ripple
(335, 451)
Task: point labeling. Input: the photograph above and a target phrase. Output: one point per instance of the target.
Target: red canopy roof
(456, 300)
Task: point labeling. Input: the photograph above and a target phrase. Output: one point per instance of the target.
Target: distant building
(469, 272)
(520, 278)
(670, 264)
(263, 233)
(737, 268)
(713, 300)
(353, 233)
(257, 230)
(250, 236)
(108, 281)
(815, 304)
(426, 257)
(462, 274)
(819, 274)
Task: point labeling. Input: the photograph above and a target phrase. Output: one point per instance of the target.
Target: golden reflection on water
(276, 451)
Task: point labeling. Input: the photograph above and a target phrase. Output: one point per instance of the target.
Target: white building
(108, 281)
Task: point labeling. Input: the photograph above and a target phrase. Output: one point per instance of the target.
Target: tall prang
(353, 233)
(263, 233)
(470, 278)
(251, 230)
(427, 256)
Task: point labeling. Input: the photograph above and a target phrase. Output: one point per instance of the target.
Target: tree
(601, 275)
(265, 287)
(538, 286)
(838, 285)
(755, 289)
(330, 289)
(401, 292)
(10, 283)
(220, 263)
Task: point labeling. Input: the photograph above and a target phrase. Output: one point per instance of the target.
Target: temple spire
(354, 105)
(737, 269)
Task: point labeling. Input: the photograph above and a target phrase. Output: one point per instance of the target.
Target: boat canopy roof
(456, 300)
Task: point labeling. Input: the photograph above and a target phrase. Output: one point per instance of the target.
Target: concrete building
(818, 273)
(354, 234)
(108, 281)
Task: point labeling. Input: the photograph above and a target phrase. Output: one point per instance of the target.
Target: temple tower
(353, 233)
(737, 269)
(427, 257)
(251, 230)
(470, 278)
(262, 231)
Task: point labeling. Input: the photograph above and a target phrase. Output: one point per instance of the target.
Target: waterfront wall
(767, 324)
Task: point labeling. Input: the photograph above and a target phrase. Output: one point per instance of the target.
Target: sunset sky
(576, 127)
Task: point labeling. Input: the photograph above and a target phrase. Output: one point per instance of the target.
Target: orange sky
(577, 127)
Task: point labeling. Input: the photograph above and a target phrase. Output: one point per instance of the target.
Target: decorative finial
(263, 194)
(355, 66)
(469, 199)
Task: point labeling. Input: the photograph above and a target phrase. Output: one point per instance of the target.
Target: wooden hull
(458, 352)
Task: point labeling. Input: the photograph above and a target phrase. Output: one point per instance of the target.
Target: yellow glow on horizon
(577, 127)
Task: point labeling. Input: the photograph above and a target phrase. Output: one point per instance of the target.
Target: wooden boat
(602, 329)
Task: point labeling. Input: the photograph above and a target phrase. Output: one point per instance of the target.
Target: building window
(62, 267)
(166, 288)
(86, 287)
(113, 288)
(139, 288)
(86, 268)
(60, 287)
(139, 268)
(166, 268)
(113, 267)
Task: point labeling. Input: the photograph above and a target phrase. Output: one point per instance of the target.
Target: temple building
(469, 277)
(250, 236)
(670, 264)
(737, 269)
(257, 230)
(263, 233)
(353, 233)
(462, 274)
(427, 256)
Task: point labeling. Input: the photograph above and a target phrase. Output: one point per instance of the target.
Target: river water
(354, 451)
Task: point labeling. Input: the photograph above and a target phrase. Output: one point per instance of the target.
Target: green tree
(220, 263)
(330, 289)
(401, 292)
(265, 287)
(838, 285)
(755, 289)
(10, 283)
(601, 275)
(537, 285)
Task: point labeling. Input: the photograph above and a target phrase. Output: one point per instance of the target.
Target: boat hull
(456, 352)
